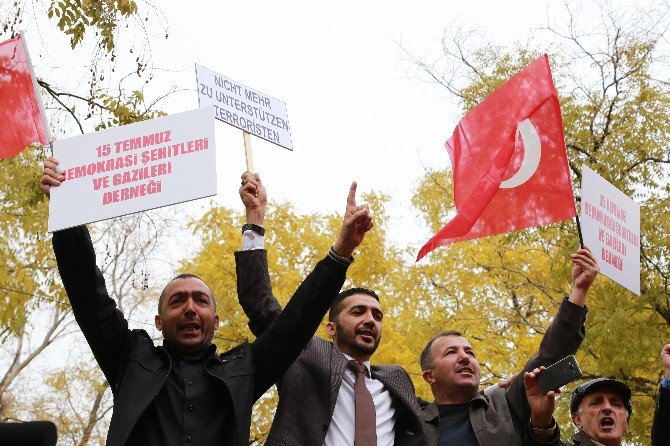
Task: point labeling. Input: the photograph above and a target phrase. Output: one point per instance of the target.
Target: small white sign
(243, 107)
(133, 168)
(610, 224)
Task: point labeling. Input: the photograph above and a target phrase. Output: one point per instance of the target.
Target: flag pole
(579, 231)
(36, 88)
(247, 150)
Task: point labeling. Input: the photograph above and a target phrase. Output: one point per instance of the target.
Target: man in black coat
(317, 393)
(183, 393)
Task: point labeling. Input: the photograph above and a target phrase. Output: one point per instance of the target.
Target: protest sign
(610, 224)
(135, 167)
(243, 107)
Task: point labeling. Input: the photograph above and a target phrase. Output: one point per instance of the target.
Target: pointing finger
(351, 199)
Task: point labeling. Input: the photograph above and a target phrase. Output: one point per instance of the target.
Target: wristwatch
(260, 230)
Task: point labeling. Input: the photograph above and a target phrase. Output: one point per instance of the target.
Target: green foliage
(27, 263)
(76, 17)
(125, 109)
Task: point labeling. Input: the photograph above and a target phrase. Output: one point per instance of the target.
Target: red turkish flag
(509, 161)
(21, 121)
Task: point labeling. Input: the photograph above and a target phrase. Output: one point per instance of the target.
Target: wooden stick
(579, 231)
(247, 151)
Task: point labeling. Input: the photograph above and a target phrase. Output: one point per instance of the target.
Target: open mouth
(607, 422)
(189, 328)
(465, 371)
(367, 334)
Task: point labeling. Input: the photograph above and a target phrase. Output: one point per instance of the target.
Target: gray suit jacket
(308, 391)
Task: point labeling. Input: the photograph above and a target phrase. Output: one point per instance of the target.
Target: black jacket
(660, 429)
(579, 439)
(137, 370)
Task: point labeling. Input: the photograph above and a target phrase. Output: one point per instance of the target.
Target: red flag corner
(22, 119)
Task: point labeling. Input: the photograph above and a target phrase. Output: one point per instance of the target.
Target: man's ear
(428, 376)
(216, 321)
(158, 320)
(577, 420)
(330, 329)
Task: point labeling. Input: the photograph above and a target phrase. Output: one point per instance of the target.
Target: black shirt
(455, 425)
(191, 408)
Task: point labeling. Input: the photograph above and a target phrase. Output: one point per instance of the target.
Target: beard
(349, 339)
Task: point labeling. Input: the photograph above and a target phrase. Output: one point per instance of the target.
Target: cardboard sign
(134, 168)
(243, 107)
(611, 228)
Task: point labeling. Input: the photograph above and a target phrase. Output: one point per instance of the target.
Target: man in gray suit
(318, 393)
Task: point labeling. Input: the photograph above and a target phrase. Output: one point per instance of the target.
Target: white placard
(611, 228)
(135, 167)
(243, 107)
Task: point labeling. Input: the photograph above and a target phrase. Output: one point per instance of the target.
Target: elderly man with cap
(600, 409)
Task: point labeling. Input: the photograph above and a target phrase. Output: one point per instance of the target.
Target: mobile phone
(559, 374)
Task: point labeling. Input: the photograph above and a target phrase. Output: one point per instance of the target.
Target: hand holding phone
(559, 374)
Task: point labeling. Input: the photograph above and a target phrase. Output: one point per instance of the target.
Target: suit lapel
(338, 362)
(398, 384)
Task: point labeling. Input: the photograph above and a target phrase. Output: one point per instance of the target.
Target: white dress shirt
(341, 431)
(252, 240)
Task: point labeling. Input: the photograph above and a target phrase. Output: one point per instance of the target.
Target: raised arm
(100, 320)
(254, 290)
(277, 348)
(564, 335)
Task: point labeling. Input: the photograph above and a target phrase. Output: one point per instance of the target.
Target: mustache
(465, 367)
(370, 331)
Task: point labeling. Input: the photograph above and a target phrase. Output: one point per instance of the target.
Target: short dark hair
(183, 276)
(337, 305)
(426, 359)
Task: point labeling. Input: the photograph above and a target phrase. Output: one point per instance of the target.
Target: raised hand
(665, 356)
(541, 406)
(50, 176)
(254, 197)
(357, 221)
(586, 268)
(584, 272)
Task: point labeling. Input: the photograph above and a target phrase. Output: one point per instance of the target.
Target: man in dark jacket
(318, 400)
(660, 429)
(463, 416)
(183, 393)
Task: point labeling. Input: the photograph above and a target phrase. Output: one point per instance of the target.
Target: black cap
(589, 386)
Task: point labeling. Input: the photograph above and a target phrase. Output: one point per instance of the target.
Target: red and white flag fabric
(21, 115)
(509, 161)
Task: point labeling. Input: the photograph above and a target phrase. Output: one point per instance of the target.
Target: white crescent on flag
(532, 150)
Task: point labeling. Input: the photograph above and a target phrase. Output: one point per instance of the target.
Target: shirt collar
(582, 438)
(365, 363)
(209, 351)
